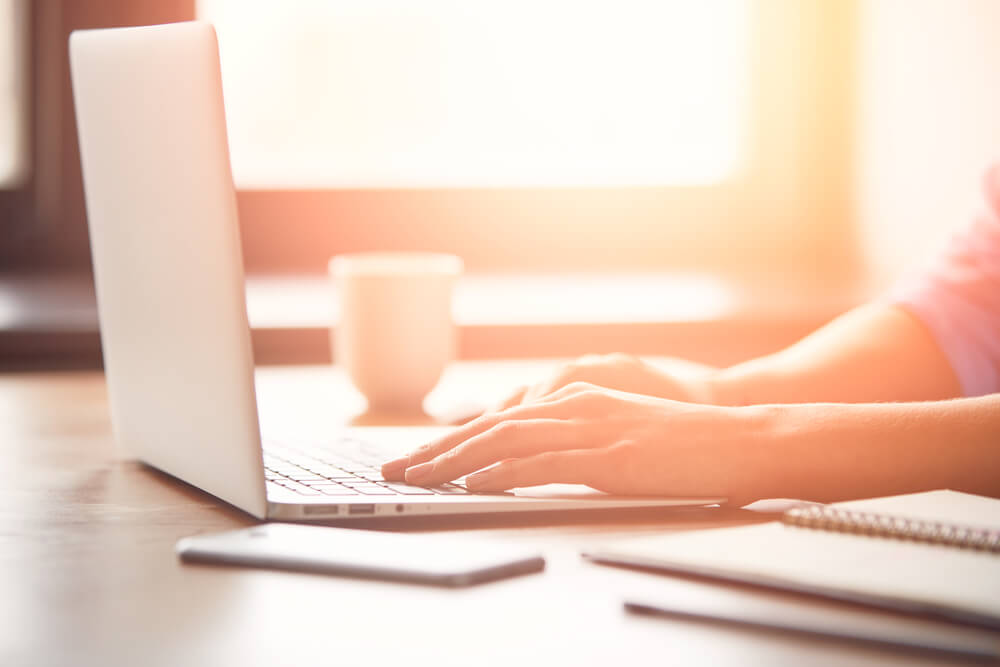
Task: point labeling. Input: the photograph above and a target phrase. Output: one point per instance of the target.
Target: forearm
(874, 353)
(828, 452)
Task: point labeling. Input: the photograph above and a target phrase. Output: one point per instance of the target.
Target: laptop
(168, 270)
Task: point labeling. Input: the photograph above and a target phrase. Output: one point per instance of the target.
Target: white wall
(929, 122)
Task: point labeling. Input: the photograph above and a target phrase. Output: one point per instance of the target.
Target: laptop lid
(168, 270)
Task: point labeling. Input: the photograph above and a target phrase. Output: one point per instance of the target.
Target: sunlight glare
(407, 93)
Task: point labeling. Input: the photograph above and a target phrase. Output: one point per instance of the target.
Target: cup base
(394, 416)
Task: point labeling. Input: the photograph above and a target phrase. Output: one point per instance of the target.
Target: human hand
(613, 441)
(623, 372)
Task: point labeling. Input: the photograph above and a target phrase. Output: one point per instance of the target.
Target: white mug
(395, 334)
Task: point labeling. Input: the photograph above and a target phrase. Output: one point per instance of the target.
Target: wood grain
(89, 576)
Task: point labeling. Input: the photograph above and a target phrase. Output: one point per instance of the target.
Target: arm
(849, 446)
(633, 444)
(886, 352)
(873, 353)
(831, 452)
(877, 352)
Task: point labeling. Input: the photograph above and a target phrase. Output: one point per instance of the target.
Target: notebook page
(939, 579)
(943, 505)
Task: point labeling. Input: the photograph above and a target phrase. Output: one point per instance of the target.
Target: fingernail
(394, 468)
(478, 480)
(419, 473)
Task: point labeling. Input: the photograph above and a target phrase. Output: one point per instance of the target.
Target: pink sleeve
(958, 299)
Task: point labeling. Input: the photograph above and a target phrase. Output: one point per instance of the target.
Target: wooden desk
(89, 576)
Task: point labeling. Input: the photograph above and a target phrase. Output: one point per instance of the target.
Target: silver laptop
(162, 214)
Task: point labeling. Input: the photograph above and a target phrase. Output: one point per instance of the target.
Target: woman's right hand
(622, 372)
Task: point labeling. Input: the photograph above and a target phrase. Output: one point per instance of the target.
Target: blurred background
(704, 179)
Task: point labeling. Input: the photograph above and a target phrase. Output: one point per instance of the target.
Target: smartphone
(435, 559)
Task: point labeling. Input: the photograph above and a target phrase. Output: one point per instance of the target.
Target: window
(13, 92)
(543, 136)
(444, 93)
(592, 136)
(735, 154)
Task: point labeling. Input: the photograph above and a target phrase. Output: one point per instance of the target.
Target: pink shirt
(958, 299)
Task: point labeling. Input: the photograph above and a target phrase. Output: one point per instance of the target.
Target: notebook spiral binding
(882, 525)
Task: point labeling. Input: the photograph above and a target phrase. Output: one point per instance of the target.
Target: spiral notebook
(935, 553)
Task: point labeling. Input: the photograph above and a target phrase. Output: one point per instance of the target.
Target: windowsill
(51, 321)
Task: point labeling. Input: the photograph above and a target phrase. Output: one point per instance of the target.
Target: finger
(574, 466)
(393, 470)
(510, 401)
(569, 390)
(542, 389)
(562, 378)
(506, 440)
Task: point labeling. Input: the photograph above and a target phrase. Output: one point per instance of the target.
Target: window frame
(43, 219)
(793, 201)
(793, 204)
(16, 210)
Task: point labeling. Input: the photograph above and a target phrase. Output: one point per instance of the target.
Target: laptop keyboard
(326, 472)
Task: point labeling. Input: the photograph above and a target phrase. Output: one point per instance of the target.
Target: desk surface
(89, 576)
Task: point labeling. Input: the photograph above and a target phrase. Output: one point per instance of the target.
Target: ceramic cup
(395, 333)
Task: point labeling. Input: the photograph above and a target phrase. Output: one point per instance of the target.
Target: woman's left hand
(610, 440)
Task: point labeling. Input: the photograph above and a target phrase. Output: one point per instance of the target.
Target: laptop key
(344, 466)
(337, 491)
(329, 471)
(326, 484)
(374, 490)
(302, 489)
(449, 490)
